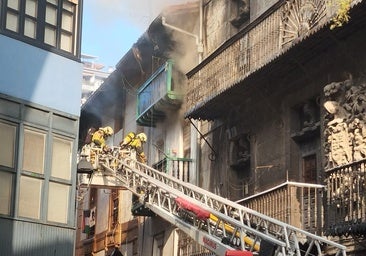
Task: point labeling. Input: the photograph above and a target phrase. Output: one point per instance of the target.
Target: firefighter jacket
(99, 138)
(128, 139)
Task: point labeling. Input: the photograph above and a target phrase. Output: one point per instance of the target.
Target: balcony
(156, 96)
(262, 49)
(298, 204)
(346, 200)
(177, 167)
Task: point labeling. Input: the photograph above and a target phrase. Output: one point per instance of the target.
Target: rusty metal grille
(346, 200)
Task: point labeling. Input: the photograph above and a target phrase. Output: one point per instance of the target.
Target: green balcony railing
(157, 95)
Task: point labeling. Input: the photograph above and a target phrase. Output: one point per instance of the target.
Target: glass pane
(30, 197)
(34, 150)
(68, 6)
(12, 22)
(14, 4)
(51, 15)
(66, 42)
(31, 8)
(67, 22)
(50, 36)
(58, 205)
(7, 135)
(52, 1)
(6, 181)
(61, 159)
(30, 28)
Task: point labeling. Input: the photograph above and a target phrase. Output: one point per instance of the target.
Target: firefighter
(127, 140)
(135, 142)
(100, 136)
(138, 144)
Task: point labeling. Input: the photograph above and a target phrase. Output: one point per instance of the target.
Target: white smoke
(138, 13)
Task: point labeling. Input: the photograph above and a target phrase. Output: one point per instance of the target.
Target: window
(48, 23)
(34, 150)
(309, 169)
(36, 163)
(7, 163)
(7, 135)
(58, 201)
(6, 181)
(59, 191)
(32, 178)
(61, 158)
(30, 197)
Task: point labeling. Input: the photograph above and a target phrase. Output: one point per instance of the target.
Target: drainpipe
(196, 125)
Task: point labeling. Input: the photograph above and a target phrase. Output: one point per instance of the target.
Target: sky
(111, 27)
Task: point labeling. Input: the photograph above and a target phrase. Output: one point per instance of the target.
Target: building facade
(268, 114)
(40, 88)
(282, 98)
(94, 74)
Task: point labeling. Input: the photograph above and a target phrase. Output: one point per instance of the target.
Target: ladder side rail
(163, 190)
(226, 204)
(209, 200)
(282, 227)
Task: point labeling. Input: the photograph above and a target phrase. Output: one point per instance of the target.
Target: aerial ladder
(222, 226)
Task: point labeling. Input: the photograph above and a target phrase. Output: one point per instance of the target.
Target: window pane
(68, 6)
(66, 42)
(30, 28)
(34, 150)
(61, 159)
(58, 205)
(31, 8)
(50, 36)
(14, 4)
(7, 135)
(30, 197)
(51, 15)
(12, 22)
(67, 22)
(52, 1)
(6, 181)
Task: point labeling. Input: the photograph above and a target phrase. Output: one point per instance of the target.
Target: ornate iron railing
(346, 200)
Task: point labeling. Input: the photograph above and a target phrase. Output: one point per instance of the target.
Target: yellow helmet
(108, 130)
(142, 136)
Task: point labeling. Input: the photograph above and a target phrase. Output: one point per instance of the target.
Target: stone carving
(299, 16)
(344, 127)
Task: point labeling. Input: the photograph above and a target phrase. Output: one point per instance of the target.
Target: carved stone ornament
(300, 16)
(345, 124)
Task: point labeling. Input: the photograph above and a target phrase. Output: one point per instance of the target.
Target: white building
(94, 75)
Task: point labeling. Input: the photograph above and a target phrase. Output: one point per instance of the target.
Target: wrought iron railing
(298, 204)
(346, 200)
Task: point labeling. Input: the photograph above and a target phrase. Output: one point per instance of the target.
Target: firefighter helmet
(142, 136)
(108, 130)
